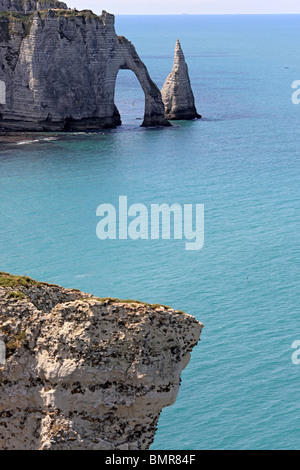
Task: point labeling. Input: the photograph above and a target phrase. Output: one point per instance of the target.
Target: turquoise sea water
(241, 389)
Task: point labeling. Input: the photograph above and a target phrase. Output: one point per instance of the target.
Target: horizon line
(205, 14)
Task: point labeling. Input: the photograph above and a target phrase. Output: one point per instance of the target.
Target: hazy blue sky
(187, 6)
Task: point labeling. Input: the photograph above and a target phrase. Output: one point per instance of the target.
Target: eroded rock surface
(177, 91)
(83, 372)
(60, 68)
(28, 6)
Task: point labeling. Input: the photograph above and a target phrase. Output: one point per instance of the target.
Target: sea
(241, 161)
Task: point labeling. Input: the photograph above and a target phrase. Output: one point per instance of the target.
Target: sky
(159, 7)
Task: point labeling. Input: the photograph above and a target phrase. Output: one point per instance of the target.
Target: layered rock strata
(28, 6)
(83, 372)
(177, 92)
(60, 69)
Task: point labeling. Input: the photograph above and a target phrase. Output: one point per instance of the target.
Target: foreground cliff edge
(60, 68)
(83, 372)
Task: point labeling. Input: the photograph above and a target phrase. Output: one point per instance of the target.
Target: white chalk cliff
(83, 372)
(177, 92)
(60, 68)
(28, 6)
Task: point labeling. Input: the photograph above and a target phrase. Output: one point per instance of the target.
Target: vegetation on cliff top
(131, 302)
(21, 5)
(14, 17)
(50, 3)
(10, 280)
(13, 281)
(69, 14)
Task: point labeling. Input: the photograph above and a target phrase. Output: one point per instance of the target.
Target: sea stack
(177, 92)
(86, 373)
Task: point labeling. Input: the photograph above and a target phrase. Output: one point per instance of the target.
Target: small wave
(49, 139)
(41, 139)
(24, 142)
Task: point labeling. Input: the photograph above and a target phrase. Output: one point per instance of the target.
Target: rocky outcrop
(177, 92)
(60, 69)
(28, 6)
(83, 372)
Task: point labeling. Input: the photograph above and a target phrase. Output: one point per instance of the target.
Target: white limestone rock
(83, 372)
(177, 92)
(60, 69)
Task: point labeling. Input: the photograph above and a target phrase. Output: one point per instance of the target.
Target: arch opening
(154, 114)
(130, 98)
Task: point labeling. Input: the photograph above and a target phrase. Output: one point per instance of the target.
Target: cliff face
(60, 69)
(177, 92)
(28, 6)
(83, 372)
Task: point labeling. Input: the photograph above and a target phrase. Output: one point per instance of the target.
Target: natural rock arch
(61, 73)
(154, 108)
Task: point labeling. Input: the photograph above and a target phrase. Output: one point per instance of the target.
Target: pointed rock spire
(179, 56)
(177, 92)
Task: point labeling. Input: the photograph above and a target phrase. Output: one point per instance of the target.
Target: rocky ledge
(83, 372)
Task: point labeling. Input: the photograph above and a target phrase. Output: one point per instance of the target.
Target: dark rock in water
(177, 92)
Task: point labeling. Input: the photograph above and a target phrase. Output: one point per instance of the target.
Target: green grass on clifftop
(132, 302)
(14, 17)
(10, 280)
(70, 14)
(13, 281)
